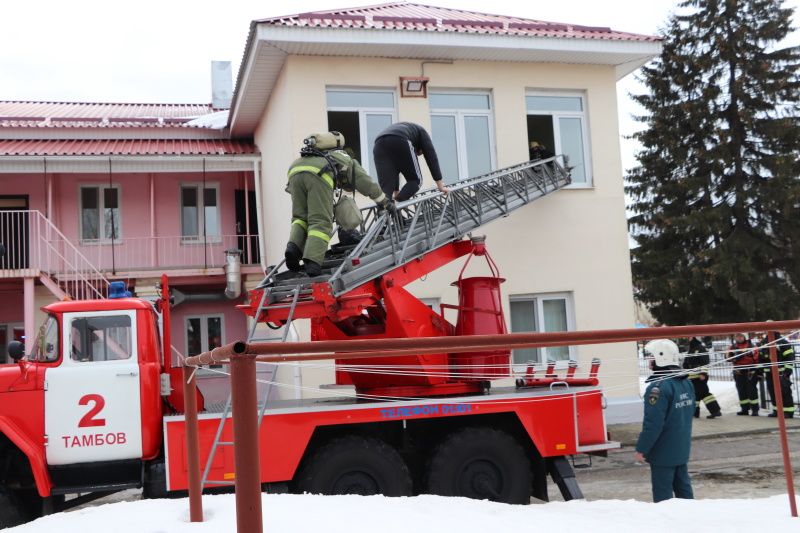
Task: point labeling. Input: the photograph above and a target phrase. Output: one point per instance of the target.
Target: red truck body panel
(558, 422)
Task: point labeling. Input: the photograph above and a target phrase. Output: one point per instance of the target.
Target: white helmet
(664, 351)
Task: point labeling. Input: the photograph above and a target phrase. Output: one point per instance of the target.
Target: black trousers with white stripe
(394, 156)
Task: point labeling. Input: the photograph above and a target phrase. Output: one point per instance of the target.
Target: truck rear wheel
(355, 465)
(10, 514)
(483, 464)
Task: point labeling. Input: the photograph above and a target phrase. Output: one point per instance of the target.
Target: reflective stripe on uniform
(324, 236)
(301, 223)
(313, 170)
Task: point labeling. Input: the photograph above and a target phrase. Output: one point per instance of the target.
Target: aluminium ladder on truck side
(424, 223)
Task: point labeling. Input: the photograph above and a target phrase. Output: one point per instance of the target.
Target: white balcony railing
(34, 246)
(163, 253)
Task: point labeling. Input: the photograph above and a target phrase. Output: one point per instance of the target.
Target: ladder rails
(226, 412)
(424, 223)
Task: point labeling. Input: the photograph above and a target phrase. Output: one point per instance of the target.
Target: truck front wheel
(354, 465)
(483, 464)
(10, 514)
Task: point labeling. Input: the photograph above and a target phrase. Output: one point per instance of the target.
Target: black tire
(10, 511)
(354, 465)
(482, 464)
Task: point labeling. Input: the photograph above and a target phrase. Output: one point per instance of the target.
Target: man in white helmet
(666, 437)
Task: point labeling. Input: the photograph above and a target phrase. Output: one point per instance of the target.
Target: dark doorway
(247, 224)
(14, 231)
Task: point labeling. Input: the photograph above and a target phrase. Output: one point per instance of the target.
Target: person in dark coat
(396, 152)
(785, 368)
(697, 360)
(746, 373)
(666, 437)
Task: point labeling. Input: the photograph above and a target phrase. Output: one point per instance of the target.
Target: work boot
(293, 254)
(697, 412)
(715, 415)
(788, 415)
(755, 411)
(743, 412)
(773, 414)
(312, 269)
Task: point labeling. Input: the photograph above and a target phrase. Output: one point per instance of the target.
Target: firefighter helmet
(664, 351)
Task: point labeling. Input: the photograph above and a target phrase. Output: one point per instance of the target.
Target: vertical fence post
(778, 399)
(192, 445)
(247, 465)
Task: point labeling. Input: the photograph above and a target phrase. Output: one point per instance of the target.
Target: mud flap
(563, 476)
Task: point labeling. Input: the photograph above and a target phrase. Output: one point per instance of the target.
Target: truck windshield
(46, 348)
(101, 338)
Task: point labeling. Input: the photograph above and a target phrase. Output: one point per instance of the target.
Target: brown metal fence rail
(242, 358)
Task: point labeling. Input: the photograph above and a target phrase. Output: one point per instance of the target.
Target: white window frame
(538, 301)
(460, 115)
(101, 227)
(583, 115)
(203, 332)
(212, 235)
(363, 112)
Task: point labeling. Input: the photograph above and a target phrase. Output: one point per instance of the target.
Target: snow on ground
(362, 514)
(422, 514)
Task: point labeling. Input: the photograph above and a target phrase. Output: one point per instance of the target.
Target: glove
(389, 206)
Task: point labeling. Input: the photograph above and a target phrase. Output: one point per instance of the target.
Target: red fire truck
(94, 408)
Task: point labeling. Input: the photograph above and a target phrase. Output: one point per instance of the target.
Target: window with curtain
(200, 216)
(204, 333)
(360, 116)
(100, 218)
(544, 313)
(559, 123)
(461, 129)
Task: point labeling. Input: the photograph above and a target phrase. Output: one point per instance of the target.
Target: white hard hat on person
(664, 352)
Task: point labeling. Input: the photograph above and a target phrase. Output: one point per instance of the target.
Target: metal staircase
(426, 222)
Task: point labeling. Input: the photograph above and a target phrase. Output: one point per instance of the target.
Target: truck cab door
(92, 400)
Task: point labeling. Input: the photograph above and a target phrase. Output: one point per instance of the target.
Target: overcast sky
(160, 51)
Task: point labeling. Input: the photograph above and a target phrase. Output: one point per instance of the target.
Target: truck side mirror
(16, 350)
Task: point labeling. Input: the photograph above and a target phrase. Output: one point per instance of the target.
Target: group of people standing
(751, 363)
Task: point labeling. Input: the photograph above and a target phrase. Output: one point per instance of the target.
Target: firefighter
(323, 166)
(746, 373)
(666, 437)
(396, 152)
(785, 368)
(697, 360)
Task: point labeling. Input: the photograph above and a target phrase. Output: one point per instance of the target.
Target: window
(360, 116)
(559, 123)
(462, 134)
(204, 333)
(100, 215)
(544, 313)
(200, 212)
(46, 347)
(101, 338)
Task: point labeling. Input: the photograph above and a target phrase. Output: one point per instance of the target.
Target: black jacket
(420, 140)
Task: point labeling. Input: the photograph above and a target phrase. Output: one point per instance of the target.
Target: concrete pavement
(729, 424)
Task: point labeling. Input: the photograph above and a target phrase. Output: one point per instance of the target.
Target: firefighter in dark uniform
(697, 360)
(785, 368)
(666, 437)
(746, 373)
(313, 177)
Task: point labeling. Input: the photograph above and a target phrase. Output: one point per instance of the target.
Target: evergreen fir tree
(716, 193)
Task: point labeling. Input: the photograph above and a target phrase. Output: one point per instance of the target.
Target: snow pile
(349, 514)
(215, 121)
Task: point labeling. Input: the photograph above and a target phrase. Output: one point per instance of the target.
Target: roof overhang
(269, 45)
(71, 164)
